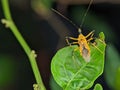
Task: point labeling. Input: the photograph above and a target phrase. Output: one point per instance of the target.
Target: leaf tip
(102, 36)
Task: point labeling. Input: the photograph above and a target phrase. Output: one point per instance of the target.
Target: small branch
(30, 53)
(6, 10)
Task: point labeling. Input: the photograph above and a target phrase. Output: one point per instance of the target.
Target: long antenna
(65, 18)
(83, 19)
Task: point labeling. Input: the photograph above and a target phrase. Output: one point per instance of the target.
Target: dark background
(15, 69)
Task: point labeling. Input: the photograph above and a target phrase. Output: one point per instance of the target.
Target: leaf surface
(98, 87)
(72, 72)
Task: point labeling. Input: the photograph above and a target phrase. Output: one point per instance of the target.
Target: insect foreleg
(90, 34)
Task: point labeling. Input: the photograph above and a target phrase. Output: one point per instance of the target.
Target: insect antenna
(83, 19)
(65, 18)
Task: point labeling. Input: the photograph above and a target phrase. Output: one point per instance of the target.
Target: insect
(81, 40)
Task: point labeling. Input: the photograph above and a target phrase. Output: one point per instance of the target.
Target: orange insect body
(83, 43)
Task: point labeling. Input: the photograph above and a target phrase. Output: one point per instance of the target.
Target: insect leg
(90, 34)
(72, 38)
(90, 39)
(97, 48)
(76, 49)
(67, 40)
(74, 43)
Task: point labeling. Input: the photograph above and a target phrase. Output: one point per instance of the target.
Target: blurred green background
(45, 32)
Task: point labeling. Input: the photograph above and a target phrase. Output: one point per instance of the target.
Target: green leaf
(98, 87)
(72, 72)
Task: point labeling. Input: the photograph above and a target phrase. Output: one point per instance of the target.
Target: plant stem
(30, 53)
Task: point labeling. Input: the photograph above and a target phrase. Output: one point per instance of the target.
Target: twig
(8, 21)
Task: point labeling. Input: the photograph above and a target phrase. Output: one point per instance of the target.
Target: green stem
(28, 51)
(6, 10)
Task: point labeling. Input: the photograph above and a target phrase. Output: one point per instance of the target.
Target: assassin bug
(81, 40)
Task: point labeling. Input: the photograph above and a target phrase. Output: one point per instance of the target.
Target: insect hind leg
(96, 48)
